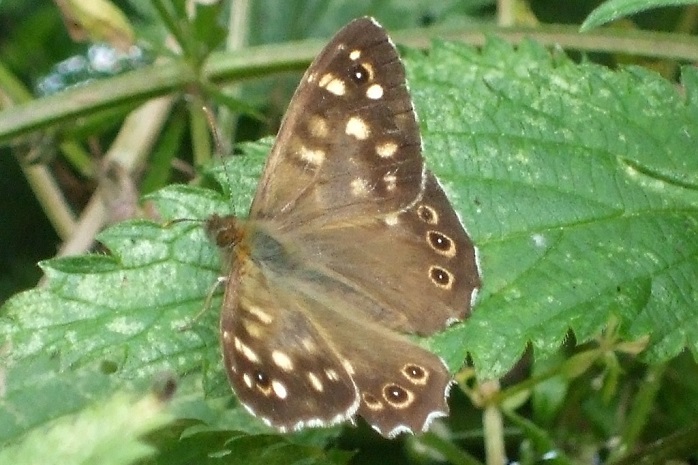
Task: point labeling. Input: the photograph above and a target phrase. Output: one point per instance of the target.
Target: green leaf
(31, 390)
(579, 186)
(614, 9)
(86, 438)
(108, 322)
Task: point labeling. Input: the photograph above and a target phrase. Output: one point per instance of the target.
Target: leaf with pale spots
(579, 185)
(108, 320)
(119, 441)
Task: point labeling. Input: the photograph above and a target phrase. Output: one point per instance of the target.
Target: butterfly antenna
(211, 119)
(220, 151)
(170, 223)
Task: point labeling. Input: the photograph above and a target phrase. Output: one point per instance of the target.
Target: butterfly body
(350, 246)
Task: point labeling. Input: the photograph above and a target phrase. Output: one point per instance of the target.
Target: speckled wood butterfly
(350, 245)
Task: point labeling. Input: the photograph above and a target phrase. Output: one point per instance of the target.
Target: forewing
(349, 141)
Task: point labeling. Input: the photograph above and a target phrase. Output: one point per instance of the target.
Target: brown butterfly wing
(402, 387)
(415, 271)
(350, 128)
(275, 357)
(350, 240)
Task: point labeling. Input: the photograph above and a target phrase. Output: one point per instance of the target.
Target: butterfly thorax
(252, 240)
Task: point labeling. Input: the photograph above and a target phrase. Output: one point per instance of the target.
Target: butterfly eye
(427, 214)
(262, 379)
(441, 277)
(397, 396)
(441, 243)
(415, 373)
(360, 74)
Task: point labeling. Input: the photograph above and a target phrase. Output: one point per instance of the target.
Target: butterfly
(350, 246)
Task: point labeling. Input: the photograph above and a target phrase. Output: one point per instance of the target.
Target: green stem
(681, 444)
(639, 411)
(494, 435)
(238, 31)
(162, 78)
(200, 133)
(539, 437)
(571, 368)
(492, 423)
(172, 25)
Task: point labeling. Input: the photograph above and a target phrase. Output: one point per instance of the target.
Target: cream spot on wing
(253, 329)
(282, 360)
(247, 379)
(336, 87)
(318, 126)
(374, 92)
(386, 149)
(311, 77)
(331, 374)
(244, 349)
(313, 157)
(357, 127)
(333, 84)
(325, 79)
(348, 366)
(368, 68)
(359, 187)
(226, 336)
(390, 181)
(371, 402)
(315, 382)
(354, 55)
(309, 345)
(279, 389)
(261, 315)
(392, 219)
